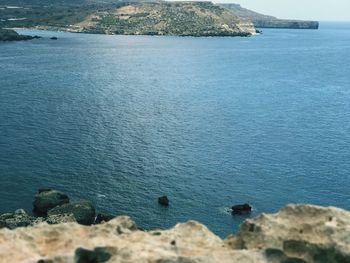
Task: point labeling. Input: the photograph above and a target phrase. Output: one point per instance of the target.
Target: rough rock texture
(297, 234)
(18, 219)
(47, 199)
(83, 212)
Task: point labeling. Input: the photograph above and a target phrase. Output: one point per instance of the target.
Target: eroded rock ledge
(298, 233)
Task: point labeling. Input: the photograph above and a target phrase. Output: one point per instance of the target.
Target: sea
(210, 122)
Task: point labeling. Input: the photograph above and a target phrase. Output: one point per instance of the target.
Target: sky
(321, 10)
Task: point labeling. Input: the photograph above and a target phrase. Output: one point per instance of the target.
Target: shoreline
(62, 30)
(297, 233)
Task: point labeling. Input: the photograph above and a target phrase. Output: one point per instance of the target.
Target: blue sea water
(210, 122)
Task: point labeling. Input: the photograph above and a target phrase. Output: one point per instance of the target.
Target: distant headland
(265, 21)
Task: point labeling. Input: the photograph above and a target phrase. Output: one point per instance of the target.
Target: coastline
(297, 233)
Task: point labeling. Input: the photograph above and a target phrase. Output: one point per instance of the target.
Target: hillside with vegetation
(140, 17)
(167, 18)
(132, 18)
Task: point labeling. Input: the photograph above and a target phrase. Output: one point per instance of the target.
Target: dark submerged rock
(163, 200)
(241, 209)
(98, 255)
(83, 211)
(47, 199)
(53, 38)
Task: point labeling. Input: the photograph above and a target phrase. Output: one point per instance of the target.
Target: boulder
(163, 200)
(17, 219)
(47, 199)
(83, 211)
(241, 209)
(61, 218)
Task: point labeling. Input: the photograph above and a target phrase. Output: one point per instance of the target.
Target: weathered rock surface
(47, 199)
(17, 219)
(298, 233)
(83, 212)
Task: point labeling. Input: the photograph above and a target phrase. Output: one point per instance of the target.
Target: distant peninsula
(185, 18)
(265, 21)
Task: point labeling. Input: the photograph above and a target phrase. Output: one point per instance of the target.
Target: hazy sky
(326, 10)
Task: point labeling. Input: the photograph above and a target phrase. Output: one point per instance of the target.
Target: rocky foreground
(296, 234)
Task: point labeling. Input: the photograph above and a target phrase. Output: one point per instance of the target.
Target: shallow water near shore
(210, 122)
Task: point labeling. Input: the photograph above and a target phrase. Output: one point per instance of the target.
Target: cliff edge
(298, 233)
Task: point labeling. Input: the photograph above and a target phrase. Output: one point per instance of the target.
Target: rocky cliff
(298, 233)
(265, 21)
(11, 35)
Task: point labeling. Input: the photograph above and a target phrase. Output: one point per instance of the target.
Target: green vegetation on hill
(144, 18)
(168, 18)
(140, 17)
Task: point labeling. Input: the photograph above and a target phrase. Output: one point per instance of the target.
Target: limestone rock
(83, 211)
(47, 199)
(58, 219)
(300, 232)
(297, 234)
(70, 243)
(17, 219)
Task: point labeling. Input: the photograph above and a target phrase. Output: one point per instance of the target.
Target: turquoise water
(210, 122)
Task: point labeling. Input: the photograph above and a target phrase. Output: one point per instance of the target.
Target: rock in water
(83, 211)
(163, 200)
(47, 199)
(241, 209)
